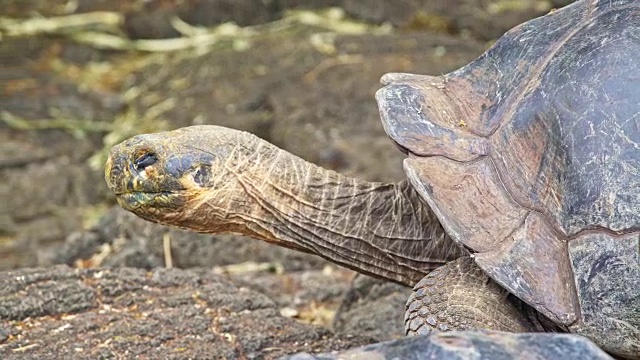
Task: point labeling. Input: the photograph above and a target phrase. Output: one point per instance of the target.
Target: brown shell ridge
(530, 268)
(510, 189)
(529, 256)
(516, 247)
(418, 114)
(534, 80)
(470, 219)
(456, 91)
(535, 77)
(548, 219)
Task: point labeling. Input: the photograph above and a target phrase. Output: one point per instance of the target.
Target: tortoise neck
(383, 230)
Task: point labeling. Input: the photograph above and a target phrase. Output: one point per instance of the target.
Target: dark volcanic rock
(374, 308)
(166, 313)
(473, 346)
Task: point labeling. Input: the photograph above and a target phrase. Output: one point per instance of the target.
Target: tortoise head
(178, 177)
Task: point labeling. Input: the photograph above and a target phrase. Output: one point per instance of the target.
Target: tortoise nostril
(145, 160)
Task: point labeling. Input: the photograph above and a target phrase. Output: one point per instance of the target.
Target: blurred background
(79, 76)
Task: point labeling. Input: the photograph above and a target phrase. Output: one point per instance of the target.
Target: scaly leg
(460, 296)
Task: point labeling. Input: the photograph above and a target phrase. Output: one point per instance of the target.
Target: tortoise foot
(460, 296)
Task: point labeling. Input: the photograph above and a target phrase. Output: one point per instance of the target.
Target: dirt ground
(303, 80)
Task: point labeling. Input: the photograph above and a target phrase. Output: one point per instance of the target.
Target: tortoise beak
(136, 174)
(123, 174)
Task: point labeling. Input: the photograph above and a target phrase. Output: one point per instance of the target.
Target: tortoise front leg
(460, 296)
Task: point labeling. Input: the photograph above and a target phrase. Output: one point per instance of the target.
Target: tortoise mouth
(143, 201)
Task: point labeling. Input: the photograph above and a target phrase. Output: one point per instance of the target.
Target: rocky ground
(303, 80)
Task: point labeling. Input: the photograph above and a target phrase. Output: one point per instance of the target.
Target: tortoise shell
(530, 157)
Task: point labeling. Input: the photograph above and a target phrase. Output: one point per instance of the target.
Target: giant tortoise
(523, 175)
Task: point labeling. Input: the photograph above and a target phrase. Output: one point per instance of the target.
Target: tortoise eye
(202, 175)
(145, 160)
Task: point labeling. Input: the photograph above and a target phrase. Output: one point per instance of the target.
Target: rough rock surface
(60, 312)
(372, 307)
(311, 286)
(472, 346)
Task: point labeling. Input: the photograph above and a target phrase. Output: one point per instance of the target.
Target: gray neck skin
(384, 230)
